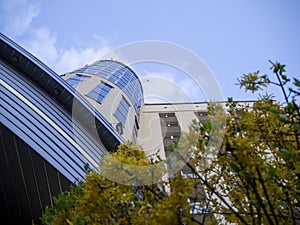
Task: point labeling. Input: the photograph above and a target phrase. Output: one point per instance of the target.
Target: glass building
(114, 90)
(48, 132)
(51, 126)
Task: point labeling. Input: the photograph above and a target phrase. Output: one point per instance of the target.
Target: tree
(255, 176)
(97, 200)
(246, 159)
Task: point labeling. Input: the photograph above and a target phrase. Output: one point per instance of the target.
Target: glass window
(198, 208)
(122, 111)
(162, 115)
(190, 174)
(120, 75)
(76, 79)
(99, 92)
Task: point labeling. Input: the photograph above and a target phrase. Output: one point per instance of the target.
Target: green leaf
(281, 70)
(290, 107)
(207, 125)
(245, 174)
(275, 110)
(171, 148)
(286, 154)
(87, 168)
(254, 202)
(282, 119)
(214, 201)
(296, 127)
(284, 77)
(271, 173)
(69, 222)
(235, 167)
(296, 82)
(134, 198)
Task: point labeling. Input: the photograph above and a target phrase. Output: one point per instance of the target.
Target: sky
(231, 37)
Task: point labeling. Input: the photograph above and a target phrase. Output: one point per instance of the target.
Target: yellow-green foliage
(256, 177)
(101, 201)
(247, 160)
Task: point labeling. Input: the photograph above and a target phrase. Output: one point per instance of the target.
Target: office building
(44, 143)
(53, 125)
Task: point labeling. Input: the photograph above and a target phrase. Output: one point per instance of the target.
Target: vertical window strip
(99, 92)
(122, 111)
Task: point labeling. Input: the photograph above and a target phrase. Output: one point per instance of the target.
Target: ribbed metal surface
(27, 181)
(59, 90)
(39, 133)
(44, 144)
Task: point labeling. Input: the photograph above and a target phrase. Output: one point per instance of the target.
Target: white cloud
(43, 45)
(16, 19)
(70, 59)
(169, 87)
(17, 15)
(16, 22)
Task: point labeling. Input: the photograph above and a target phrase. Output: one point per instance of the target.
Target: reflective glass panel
(99, 92)
(76, 80)
(122, 111)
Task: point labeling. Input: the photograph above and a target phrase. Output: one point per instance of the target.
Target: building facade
(114, 90)
(52, 125)
(48, 132)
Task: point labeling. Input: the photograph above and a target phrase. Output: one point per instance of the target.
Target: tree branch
(212, 189)
(266, 194)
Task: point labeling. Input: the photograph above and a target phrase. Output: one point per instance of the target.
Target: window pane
(119, 75)
(99, 92)
(122, 111)
(76, 79)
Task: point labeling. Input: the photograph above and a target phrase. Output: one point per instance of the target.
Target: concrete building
(114, 90)
(52, 125)
(162, 124)
(48, 132)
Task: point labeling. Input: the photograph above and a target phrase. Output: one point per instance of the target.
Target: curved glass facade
(45, 147)
(119, 74)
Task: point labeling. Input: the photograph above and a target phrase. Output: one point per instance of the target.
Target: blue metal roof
(48, 132)
(57, 88)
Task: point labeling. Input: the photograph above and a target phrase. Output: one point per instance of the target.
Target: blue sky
(231, 36)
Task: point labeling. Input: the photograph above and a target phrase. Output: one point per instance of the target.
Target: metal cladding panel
(40, 153)
(57, 88)
(27, 181)
(31, 124)
(46, 105)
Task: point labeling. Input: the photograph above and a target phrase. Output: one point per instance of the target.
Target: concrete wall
(109, 104)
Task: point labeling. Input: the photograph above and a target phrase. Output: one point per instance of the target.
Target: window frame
(119, 115)
(99, 92)
(75, 82)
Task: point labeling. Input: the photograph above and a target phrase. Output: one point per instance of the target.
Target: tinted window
(122, 111)
(99, 92)
(76, 79)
